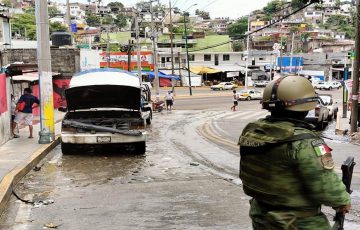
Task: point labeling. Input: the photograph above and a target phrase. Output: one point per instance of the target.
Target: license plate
(103, 139)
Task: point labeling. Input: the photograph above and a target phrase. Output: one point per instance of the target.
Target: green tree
(297, 4)
(7, 3)
(93, 20)
(273, 7)
(120, 21)
(204, 14)
(239, 27)
(107, 20)
(52, 11)
(57, 26)
(115, 7)
(25, 24)
(237, 46)
(30, 10)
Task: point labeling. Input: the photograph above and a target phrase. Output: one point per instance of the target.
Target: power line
(255, 31)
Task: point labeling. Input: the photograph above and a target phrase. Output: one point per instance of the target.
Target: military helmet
(292, 93)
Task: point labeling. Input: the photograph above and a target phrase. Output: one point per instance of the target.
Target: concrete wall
(65, 61)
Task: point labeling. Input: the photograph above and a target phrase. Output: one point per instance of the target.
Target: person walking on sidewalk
(285, 166)
(24, 112)
(235, 101)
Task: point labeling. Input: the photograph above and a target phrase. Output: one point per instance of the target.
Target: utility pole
(154, 39)
(137, 37)
(129, 51)
(108, 47)
(345, 95)
(355, 74)
(68, 16)
(248, 54)
(171, 49)
(47, 126)
(187, 54)
(292, 52)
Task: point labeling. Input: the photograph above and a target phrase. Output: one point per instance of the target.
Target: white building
(75, 10)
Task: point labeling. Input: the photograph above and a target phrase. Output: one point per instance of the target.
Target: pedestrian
(24, 113)
(285, 166)
(169, 100)
(12, 110)
(235, 100)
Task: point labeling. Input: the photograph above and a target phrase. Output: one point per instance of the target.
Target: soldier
(285, 167)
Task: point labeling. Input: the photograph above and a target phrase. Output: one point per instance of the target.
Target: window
(191, 57)
(226, 57)
(168, 59)
(176, 59)
(261, 59)
(207, 57)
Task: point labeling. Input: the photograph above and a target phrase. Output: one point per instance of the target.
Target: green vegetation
(26, 25)
(211, 40)
(341, 23)
(239, 27)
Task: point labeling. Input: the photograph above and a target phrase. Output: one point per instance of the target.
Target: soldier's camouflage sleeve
(316, 169)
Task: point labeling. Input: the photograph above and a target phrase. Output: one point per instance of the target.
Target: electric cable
(255, 31)
(23, 200)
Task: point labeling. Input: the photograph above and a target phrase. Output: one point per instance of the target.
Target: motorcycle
(158, 106)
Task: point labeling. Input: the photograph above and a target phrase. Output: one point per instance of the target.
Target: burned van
(105, 107)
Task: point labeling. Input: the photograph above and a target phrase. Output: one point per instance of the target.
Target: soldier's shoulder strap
(299, 137)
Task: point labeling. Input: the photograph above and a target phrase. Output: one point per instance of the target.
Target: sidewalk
(19, 155)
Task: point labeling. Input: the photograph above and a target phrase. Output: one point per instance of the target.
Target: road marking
(254, 116)
(23, 215)
(238, 114)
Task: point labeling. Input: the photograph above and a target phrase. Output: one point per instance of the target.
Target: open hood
(103, 96)
(103, 88)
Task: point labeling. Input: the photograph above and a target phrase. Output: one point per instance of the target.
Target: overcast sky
(217, 8)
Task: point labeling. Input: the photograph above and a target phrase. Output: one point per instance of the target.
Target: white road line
(23, 216)
(255, 115)
(237, 114)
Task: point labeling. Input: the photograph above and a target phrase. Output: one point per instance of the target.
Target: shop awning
(30, 77)
(160, 75)
(203, 70)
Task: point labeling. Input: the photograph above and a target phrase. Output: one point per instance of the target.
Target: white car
(249, 94)
(105, 108)
(223, 86)
(329, 85)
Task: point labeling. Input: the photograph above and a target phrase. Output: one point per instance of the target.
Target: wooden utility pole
(355, 85)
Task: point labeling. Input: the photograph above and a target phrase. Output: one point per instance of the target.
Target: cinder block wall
(63, 60)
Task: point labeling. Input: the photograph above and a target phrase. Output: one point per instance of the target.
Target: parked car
(249, 94)
(332, 107)
(260, 83)
(317, 84)
(105, 108)
(329, 85)
(223, 86)
(319, 115)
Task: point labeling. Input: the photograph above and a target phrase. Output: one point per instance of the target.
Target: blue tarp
(160, 74)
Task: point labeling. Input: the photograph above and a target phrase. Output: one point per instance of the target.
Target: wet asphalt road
(184, 181)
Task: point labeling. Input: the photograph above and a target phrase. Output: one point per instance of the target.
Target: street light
(186, 47)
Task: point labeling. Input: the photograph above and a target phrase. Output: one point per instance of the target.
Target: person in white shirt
(169, 100)
(235, 101)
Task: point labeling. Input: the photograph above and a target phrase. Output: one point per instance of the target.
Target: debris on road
(194, 164)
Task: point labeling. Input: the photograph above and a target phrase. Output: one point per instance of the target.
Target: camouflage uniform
(287, 177)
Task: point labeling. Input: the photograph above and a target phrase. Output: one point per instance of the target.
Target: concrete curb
(15, 175)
